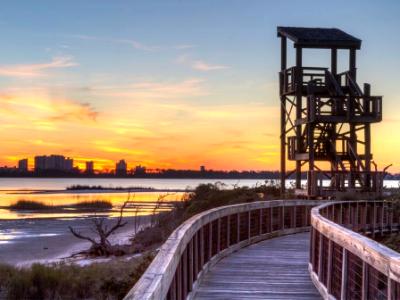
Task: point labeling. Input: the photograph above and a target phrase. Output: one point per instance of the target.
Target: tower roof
(319, 37)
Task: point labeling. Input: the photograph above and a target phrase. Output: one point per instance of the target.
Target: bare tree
(101, 245)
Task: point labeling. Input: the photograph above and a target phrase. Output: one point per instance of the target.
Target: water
(14, 189)
(51, 191)
(38, 236)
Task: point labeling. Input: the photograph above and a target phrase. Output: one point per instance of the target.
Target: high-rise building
(89, 167)
(53, 162)
(120, 168)
(23, 165)
(68, 164)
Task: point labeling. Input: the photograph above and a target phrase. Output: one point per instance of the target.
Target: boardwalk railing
(344, 263)
(207, 237)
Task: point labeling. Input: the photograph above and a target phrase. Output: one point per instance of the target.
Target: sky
(173, 84)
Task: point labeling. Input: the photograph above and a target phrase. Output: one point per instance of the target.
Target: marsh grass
(30, 205)
(78, 187)
(40, 206)
(95, 204)
(109, 280)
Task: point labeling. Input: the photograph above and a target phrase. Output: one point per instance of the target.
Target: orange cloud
(199, 65)
(36, 70)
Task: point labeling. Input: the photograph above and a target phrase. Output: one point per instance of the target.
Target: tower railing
(344, 262)
(204, 239)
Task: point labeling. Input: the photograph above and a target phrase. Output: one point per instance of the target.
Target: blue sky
(113, 58)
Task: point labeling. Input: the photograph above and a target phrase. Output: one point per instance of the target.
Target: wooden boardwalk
(272, 269)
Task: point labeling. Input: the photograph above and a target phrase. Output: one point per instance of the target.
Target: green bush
(110, 280)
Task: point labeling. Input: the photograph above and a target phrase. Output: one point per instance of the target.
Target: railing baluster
(210, 237)
(248, 224)
(201, 247)
(329, 271)
(320, 265)
(364, 288)
(190, 266)
(228, 231)
(343, 293)
(219, 235)
(238, 227)
(184, 274)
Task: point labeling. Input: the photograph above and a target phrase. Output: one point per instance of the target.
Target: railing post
(271, 219)
(238, 227)
(329, 272)
(382, 216)
(228, 231)
(184, 273)
(201, 247)
(260, 221)
(364, 288)
(343, 293)
(293, 220)
(248, 224)
(210, 236)
(390, 216)
(195, 255)
(282, 217)
(356, 220)
(218, 235)
(179, 281)
(190, 262)
(373, 220)
(341, 214)
(364, 217)
(320, 253)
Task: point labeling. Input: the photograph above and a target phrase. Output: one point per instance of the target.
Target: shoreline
(93, 191)
(49, 241)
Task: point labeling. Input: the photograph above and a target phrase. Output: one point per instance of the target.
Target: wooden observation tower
(326, 117)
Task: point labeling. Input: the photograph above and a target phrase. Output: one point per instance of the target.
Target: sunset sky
(173, 84)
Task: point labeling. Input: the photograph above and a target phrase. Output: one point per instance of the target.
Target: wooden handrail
(207, 237)
(344, 262)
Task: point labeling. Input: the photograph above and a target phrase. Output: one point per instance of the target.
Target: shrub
(96, 204)
(29, 205)
(110, 280)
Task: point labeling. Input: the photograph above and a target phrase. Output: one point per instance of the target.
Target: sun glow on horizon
(177, 87)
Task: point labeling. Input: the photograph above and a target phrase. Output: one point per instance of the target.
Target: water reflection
(146, 201)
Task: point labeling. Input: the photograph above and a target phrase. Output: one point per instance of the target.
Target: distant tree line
(159, 173)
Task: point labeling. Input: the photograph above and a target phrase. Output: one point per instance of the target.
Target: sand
(27, 241)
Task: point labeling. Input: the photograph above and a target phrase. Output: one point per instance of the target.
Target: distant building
(89, 167)
(202, 168)
(68, 164)
(140, 170)
(23, 165)
(54, 163)
(120, 168)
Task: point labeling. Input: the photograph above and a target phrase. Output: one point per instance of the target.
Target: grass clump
(110, 280)
(29, 205)
(78, 187)
(204, 197)
(94, 205)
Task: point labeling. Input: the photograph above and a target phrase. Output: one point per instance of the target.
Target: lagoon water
(52, 191)
(27, 237)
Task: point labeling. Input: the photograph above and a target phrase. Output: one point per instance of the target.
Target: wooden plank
(272, 269)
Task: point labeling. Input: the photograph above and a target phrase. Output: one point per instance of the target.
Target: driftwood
(101, 245)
